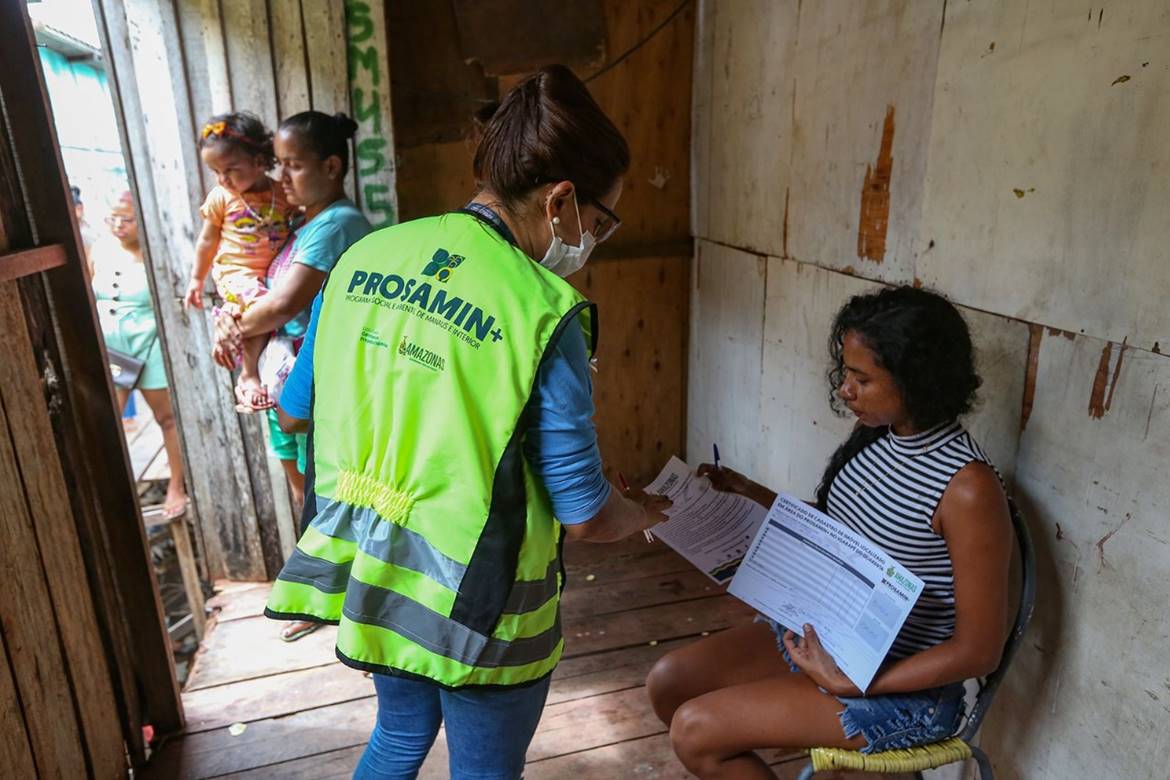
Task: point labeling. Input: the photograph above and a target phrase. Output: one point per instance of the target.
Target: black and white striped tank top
(889, 492)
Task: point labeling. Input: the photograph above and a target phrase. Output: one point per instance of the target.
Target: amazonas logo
(442, 265)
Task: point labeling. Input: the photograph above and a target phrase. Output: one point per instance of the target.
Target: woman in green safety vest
(453, 447)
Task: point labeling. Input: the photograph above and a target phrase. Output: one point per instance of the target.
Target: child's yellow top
(252, 228)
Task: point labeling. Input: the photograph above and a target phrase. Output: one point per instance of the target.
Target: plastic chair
(959, 748)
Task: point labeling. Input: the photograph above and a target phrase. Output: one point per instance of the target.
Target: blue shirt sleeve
(297, 397)
(561, 441)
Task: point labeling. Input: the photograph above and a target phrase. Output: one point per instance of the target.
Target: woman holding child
(911, 479)
(312, 150)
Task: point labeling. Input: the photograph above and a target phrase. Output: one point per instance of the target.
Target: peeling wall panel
(1046, 188)
(727, 306)
(798, 429)
(751, 129)
(1090, 693)
(864, 77)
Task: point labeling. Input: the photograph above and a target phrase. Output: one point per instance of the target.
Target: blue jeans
(488, 729)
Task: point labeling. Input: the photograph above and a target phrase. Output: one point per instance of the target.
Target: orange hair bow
(215, 128)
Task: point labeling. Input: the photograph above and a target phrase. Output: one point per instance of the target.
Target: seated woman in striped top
(911, 479)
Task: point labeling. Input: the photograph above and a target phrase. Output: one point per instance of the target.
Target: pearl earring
(556, 220)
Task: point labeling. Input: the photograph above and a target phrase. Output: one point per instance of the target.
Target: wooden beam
(14, 265)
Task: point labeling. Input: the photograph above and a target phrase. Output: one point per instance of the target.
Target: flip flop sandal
(177, 512)
(295, 635)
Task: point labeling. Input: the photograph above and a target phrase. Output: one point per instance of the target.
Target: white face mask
(564, 259)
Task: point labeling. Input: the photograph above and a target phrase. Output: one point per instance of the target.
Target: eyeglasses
(608, 223)
(115, 220)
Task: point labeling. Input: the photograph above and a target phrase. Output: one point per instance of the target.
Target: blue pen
(716, 448)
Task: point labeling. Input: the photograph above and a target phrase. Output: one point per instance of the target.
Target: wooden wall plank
(727, 320)
(289, 58)
(159, 137)
(211, 60)
(1042, 204)
(702, 116)
(15, 749)
(435, 178)
(31, 635)
(56, 536)
(648, 97)
(1095, 491)
(751, 134)
(855, 64)
(640, 382)
(369, 91)
(249, 58)
(325, 50)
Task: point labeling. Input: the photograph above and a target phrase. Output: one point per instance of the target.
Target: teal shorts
(286, 446)
(137, 336)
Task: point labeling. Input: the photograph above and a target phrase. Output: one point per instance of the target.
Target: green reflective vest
(433, 546)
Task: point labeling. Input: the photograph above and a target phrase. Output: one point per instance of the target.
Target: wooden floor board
(308, 717)
(334, 765)
(598, 598)
(274, 696)
(240, 602)
(249, 648)
(653, 624)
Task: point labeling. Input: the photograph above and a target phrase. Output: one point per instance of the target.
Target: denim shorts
(893, 721)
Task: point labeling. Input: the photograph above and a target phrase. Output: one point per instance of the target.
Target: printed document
(804, 567)
(709, 528)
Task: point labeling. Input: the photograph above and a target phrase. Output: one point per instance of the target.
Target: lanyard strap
(488, 216)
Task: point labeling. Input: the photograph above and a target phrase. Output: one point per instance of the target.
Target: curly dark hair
(242, 132)
(922, 340)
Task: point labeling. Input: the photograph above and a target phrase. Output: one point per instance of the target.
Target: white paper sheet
(804, 567)
(710, 529)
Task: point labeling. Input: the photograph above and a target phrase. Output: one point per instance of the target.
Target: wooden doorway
(87, 662)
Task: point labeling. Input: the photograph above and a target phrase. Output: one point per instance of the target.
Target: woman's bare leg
(715, 734)
(296, 484)
(160, 404)
(737, 655)
(729, 694)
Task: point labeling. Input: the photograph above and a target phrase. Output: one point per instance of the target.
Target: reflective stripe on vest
(433, 547)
